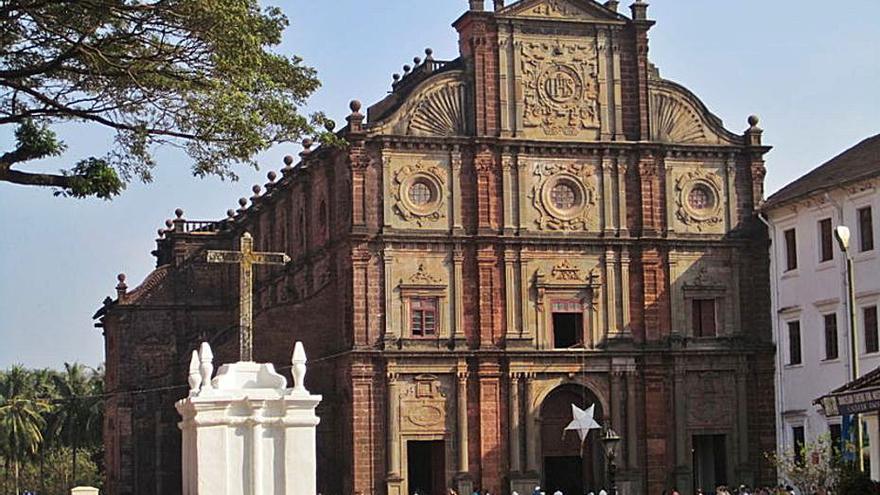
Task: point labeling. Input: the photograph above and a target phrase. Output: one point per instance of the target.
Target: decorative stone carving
(710, 398)
(564, 271)
(699, 200)
(553, 8)
(564, 196)
(423, 277)
(561, 88)
(423, 404)
(439, 112)
(559, 9)
(419, 193)
(674, 122)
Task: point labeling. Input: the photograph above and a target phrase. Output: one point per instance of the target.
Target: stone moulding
(577, 176)
(405, 178)
(435, 108)
(699, 219)
(679, 117)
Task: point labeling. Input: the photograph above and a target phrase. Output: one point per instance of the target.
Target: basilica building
(540, 222)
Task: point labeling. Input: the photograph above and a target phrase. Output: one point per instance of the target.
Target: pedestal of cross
(246, 258)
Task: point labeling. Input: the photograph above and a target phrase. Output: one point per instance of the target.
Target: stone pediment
(567, 10)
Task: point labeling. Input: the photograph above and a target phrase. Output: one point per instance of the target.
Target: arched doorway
(566, 465)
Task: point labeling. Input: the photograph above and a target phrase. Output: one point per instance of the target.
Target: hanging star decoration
(583, 421)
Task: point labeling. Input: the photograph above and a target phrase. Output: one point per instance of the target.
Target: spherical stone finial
(354, 106)
(429, 52)
(161, 232)
(417, 60)
(242, 202)
(256, 189)
(307, 143)
(271, 176)
(169, 223)
(754, 120)
(406, 69)
(288, 161)
(230, 213)
(178, 213)
(396, 77)
(121, 278)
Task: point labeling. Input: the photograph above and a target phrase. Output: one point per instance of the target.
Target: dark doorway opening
(568, 330)
(710, 462)
(565, 474)
(426, 468)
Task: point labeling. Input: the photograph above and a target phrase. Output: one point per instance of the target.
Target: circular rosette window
(564, 196)
(701, 200)
(421, 194)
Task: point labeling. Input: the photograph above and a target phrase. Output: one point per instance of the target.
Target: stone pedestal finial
(754, 133)
(247, 433)
(639, 10)
(299, 369)
(477, 5)
(612, 5)
(499, 4)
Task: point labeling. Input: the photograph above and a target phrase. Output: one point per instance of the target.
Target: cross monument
(246, 258)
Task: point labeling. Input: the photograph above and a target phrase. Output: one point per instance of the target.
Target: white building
(809, 290)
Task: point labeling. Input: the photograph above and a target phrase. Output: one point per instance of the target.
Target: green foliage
(854, 481)
(197, 74)
(50, 428)
(814, 469)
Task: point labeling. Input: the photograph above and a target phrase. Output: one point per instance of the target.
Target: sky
(809, 69)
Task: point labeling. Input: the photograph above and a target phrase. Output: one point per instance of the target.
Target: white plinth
(246, 433)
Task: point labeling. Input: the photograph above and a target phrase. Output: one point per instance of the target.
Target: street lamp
(842, 234)
(610, 441)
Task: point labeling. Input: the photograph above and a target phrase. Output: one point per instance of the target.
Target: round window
(564, 196)
(420, 193)
(701, 198)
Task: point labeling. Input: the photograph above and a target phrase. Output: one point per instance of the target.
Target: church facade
(543, 221)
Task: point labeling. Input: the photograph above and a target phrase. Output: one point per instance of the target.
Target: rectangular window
(826, 240)
(794, 342)
(866, 229)
(798, 441)
(568, 324)
(704, 318)
(870, 322)
(831, 350)
(423, 316)
(790, 250)
(836, 433)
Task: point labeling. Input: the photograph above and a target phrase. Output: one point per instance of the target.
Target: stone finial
(169, 223)
(206, 365)
(195, 376)
(429, 54)
(288, 162)
(395, 78)
(417, 61)
(230, 214)
(256, 190)
(307, 145)
(477, 5)
(178, 213)
(612, 5)
(121, 288)
(639, 10)
(178, 222)
(356, 118)
(753, 134)
(299, 368)
(271, 176)
(161, 233)
(406, 69)
(242, 205)
(499, 4)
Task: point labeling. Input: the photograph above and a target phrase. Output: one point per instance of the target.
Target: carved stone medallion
(561, 87)
(698, 200)
(564, 196)
(419, 193)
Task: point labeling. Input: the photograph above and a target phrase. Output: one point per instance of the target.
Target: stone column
(632, 450)
(455, 161)
(730, 191)
(531, 426)
(393, 422)
(608, 197)
(625, 260)
(622, 167)
(457, 294)
(462, 426)
(513, 408)
(391, 334)
(508, 194)
(510, 291)
(612, 308)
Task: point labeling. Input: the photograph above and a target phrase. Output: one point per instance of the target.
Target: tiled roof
(862, 161)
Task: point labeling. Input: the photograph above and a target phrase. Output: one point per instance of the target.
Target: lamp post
(610, 441)
(842, 234)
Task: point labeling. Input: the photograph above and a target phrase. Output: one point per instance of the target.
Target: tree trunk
(15, 476)
(73, 478)
(42, 471)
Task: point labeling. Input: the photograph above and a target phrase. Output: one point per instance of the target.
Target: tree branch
(34, 179)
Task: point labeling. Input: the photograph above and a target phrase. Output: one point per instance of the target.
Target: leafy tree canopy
(196, 74)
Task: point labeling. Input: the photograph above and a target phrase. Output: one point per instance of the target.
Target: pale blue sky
(809, 68)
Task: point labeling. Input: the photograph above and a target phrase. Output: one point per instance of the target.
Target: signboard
(855, 402)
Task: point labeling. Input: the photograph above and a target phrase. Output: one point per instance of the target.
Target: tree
(21, 420)
(78, 412)
(196, 74)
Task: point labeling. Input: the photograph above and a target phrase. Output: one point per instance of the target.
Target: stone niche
(418, 193)
(562, 195)
(701, 275)
(701, 196)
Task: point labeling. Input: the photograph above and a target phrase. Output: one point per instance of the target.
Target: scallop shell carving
(439, 113)
(674, 122)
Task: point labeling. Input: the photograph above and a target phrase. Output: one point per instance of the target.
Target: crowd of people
(721, 490)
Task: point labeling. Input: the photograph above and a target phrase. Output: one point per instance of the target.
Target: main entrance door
(426, 467)
(710, 462)
(567, 466)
